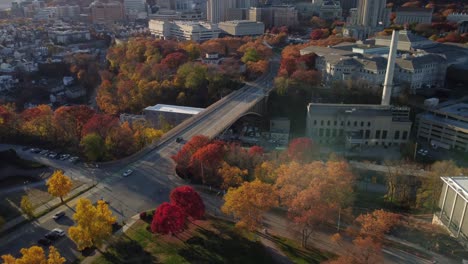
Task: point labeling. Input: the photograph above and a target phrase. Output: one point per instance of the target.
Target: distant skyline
(5, 4)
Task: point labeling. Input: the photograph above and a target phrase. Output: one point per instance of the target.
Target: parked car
(44, 242)
(44, 152)
(179, 139)
(35, 150)
(52, 236)
(58, 215)
(127, 173)
(58, 231)
(73, 159)
(64, 156)
(52, 155)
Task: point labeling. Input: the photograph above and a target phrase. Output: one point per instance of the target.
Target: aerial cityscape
(233, 131)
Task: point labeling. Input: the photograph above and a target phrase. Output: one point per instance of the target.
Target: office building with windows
(355, 126)
(184, 30)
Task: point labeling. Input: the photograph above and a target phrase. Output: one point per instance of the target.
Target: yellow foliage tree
(266, 172)
(249, 202)
(27, 206)
(93, 223)
(35, 255)
(232, 175)
(59, 185)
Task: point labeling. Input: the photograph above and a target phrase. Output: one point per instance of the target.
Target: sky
(4, 4)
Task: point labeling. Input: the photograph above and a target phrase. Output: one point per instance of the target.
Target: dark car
(179, 139)
(44, 242)
(52, 236)
(58, 215)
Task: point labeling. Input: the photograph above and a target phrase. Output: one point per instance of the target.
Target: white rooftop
(459, 184)
(175, 109)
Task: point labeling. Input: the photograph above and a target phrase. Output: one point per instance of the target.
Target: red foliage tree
(301, 149)
(100, 124)
(189, 201)
(183, 157)
(256, 150)
(307, 61)
(174, 60)
(73, 118)
(316, 34)
(168, 218)
(205, 161)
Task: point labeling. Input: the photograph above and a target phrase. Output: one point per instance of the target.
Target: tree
(399, 183)
(232, 176)
(205, 162)
(428, 194)
(168, 219)
(249, 202)
(266, 172)
(186, 198)
(93, 147)
(26, 206)
(377, 224)
(183, 157)
(59, 185)
(35, 255)
(120, 141)
(93, 223)
(251, 55)
(316, 34)
(301, 149)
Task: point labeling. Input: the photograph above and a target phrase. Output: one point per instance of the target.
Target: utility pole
(415, 150)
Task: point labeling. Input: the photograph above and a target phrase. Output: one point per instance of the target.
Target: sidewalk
(44, 208)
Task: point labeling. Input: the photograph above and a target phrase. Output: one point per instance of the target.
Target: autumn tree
(315, 192)
(35, 255)
(266, 172)
(93, 147)
(431, 186)
(59, 185)
(168, 219)
(187, 199)
(377, 224)
(249, 202)
(27, 206)
(93, 223)
(301, 149)
(400, 185)
(232, 176)
(120, 141)
(183, 157)
(205, 162)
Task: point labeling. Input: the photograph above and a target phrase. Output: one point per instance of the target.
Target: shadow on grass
(124, 251)
(226, 247)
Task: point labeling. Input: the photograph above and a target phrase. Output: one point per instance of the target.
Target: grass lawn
(211, 241)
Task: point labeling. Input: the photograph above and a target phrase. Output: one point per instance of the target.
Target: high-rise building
(106, 12)
(135, 5)
(68, 12)
(373, 13)
(215, 11)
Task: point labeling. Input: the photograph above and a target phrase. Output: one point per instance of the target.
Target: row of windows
(342, 123)
(366, 133)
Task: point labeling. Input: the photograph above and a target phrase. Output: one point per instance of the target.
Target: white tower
(388, 83)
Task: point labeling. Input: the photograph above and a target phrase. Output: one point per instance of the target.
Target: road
(153, 175)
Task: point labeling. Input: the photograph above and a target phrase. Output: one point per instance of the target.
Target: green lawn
(212, 241)
(300, 255)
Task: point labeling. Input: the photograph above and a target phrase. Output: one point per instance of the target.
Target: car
(24, 148)
(52, 155)
(35, 150)
(44, 242)
(44, 152)
(425, 152)
(52, 236)
(58, 215)
(127, 173)
(73, 159)
(64, 156)
(179, 139)
(58, 231)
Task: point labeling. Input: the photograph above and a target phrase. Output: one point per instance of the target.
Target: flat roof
(175, 109)
(460, 109)
(459, 184)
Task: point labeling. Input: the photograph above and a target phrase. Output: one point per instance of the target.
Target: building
(46, 14)
(277, 16)
(135, 5)
(184, 30)
(161, 115)
(410, 15)
(457, 17)
(331, 10)
(106, 12)
(280, 129)
(407, 41)
(463, 27)
(69, 36)
(358, 125)
(171, 15)
(452, 203)
(371, 16)
(242, 28)
(68, 12)
(367, 63)
(346, 5)
(215, 11)
(445, 126)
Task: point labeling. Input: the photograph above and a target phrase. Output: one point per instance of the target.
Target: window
(368, 124)
(315, 122)
(321, 132)
(367, 134)
(384, 134)
(349, 123)
(342, 123)
(328, 122)
(405, 135)
(355, 123)
(397, 135)
(334, 133)
(327, 132)
(334, 123)
(362, 124)
(377, 134)
(321, 122)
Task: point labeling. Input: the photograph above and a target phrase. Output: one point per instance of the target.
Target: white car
(127, 173)
(58, 231)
